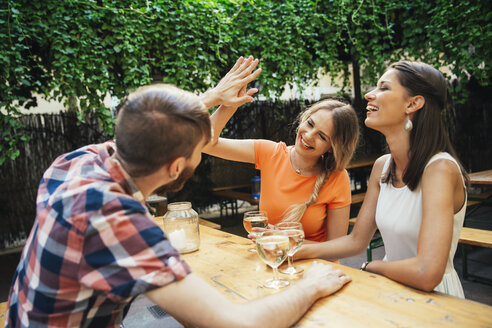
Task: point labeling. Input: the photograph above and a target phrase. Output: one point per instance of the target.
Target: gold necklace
(299, 170)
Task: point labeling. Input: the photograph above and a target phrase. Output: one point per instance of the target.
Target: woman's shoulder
(381, 163)
(443, 162)
(269, 145)
(441, 157)
(381, 160)
(442, 167)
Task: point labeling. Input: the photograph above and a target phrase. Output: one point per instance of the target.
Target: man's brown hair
(157, 124)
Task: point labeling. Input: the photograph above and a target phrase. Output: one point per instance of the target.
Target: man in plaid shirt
(94, 246)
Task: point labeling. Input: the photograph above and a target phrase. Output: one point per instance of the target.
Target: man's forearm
(285, 308)
(193, 301)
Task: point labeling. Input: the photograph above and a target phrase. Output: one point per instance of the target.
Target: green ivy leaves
(85, 49)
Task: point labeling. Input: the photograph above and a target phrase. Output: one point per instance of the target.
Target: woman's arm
(442, 196)
(336, 223)
(236, 150)
(231, 149)
(364, 229)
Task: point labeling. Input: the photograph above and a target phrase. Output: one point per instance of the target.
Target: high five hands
(232, 91)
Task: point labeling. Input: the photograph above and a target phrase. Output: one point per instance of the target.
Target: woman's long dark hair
(428, 136)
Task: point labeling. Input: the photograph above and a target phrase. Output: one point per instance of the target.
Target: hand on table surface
(325, 278)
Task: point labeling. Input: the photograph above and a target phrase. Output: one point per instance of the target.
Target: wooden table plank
(369, 300)
(477, 237)
(231, 187)
(481, 178)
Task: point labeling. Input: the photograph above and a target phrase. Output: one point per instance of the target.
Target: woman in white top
(416, 195)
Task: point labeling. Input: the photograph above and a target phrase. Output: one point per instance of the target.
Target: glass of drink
(296, 237)
(272, 247)
(255, 219)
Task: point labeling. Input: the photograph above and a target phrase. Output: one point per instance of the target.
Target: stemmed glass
(272, 247)
(255, 219)
(296, 238)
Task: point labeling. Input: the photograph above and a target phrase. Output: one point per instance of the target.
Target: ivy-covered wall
(79, 50)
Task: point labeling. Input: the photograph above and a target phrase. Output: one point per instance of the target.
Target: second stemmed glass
(255, 219)
(272, 247)
(296, 238)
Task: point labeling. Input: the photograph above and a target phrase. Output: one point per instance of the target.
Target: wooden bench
(358, 198)
(229, 195)
(474, 237)
(3, 310)
(477, 201)
(479, 198)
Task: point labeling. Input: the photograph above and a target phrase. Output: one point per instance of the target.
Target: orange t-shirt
(282, 187)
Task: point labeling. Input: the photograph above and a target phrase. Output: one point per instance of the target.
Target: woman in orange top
(306, 182)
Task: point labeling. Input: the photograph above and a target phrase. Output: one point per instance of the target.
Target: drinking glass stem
(290, 258)
(275, 275)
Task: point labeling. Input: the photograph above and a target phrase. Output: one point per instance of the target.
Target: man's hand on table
(324, 278)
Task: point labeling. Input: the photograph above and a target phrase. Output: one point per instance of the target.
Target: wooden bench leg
(464, 269)
(375, 243)
(226, 206)
(234, 208)
(369, 253)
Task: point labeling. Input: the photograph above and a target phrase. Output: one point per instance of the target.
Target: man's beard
(177, 184)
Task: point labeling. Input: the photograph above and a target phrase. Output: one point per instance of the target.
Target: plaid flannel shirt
(92, 249)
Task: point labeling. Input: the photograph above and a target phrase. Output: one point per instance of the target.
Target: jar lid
(179, 206)
(155, 198)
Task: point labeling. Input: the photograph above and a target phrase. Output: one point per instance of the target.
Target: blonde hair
(344, 140)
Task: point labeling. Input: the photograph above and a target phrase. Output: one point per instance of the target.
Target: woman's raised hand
(231, 89)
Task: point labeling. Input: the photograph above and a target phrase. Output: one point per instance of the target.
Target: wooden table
(481, 178)
(369, 300)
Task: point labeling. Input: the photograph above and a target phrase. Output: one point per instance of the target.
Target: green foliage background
(77, 51)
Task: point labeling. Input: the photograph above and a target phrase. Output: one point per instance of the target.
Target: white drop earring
(408, 124)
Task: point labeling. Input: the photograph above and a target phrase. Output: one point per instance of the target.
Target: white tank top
(398, 218)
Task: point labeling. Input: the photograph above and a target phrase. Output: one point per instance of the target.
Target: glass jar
(181, 227)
